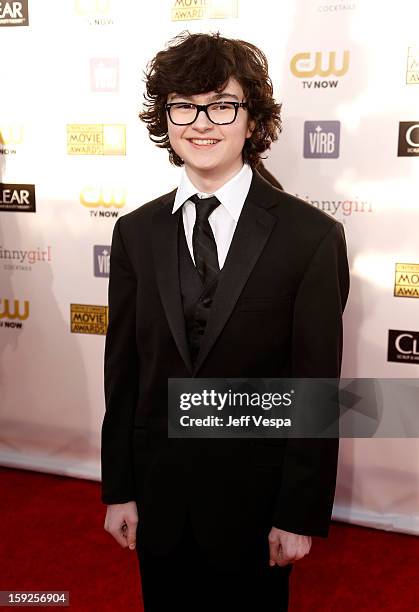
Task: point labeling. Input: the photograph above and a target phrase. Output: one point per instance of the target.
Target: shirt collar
(231, 195)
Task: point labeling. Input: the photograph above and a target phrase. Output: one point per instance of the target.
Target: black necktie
(203, 241)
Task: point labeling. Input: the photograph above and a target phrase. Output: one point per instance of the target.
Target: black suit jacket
(277, 312)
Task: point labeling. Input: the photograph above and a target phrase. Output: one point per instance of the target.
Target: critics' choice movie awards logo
(101, 260)
(13, 313)
(309, 65)
(403, 346)
(96, 12)
(104, 74)
(23, 260)
(11, 136)
(14, 13)
(185, 10)
(408, 139)
(321, 139)
(87, 319)
(406, 282)
(96, 139)
(17, 198)
(103, 201)
(412, 70)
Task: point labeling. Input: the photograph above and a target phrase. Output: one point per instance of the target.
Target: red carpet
(52, 538)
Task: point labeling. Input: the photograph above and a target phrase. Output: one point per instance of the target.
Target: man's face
(208, 149)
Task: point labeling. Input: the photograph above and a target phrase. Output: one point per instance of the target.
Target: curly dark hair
(200, 63)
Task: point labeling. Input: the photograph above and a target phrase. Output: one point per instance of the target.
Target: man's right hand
(121, 522)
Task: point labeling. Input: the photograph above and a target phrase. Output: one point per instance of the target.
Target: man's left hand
(286, 547)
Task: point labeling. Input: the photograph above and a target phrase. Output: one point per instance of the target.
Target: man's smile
(203, 142)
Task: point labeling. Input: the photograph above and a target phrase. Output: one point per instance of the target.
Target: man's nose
(202, 122)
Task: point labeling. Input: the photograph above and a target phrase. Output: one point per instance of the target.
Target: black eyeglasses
(220, 113)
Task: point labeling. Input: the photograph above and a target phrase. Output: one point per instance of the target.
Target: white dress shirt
(224, 218)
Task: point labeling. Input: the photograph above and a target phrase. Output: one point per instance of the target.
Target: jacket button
(207, 301)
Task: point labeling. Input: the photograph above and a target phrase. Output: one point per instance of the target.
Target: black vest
(196, 299)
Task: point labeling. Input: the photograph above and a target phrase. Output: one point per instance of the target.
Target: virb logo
(104, 74)
(321, 139)
(101, 260)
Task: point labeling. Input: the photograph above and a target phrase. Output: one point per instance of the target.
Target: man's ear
(250, 128)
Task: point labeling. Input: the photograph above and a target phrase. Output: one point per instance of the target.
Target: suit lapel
(252, 232)
(165, 253)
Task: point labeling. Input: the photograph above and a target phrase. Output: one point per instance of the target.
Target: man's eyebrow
(223, 94)
(216, 96)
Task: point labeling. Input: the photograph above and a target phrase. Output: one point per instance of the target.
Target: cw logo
(303, 65)
(92, 7)
(7, 313)
(92, 197)
(11, 134)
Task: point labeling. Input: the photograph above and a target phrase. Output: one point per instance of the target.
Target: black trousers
(185, 579)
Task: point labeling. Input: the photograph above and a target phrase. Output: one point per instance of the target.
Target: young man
(226, 276)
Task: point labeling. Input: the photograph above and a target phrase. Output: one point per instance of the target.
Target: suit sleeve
(305, 499)
(121, 377)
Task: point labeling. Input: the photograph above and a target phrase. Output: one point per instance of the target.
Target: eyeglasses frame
(204, 108)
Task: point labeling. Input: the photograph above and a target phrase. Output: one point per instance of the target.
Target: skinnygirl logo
(31, 256)
(341, 208)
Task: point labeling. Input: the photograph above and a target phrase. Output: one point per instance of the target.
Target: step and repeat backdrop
(74, 157)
